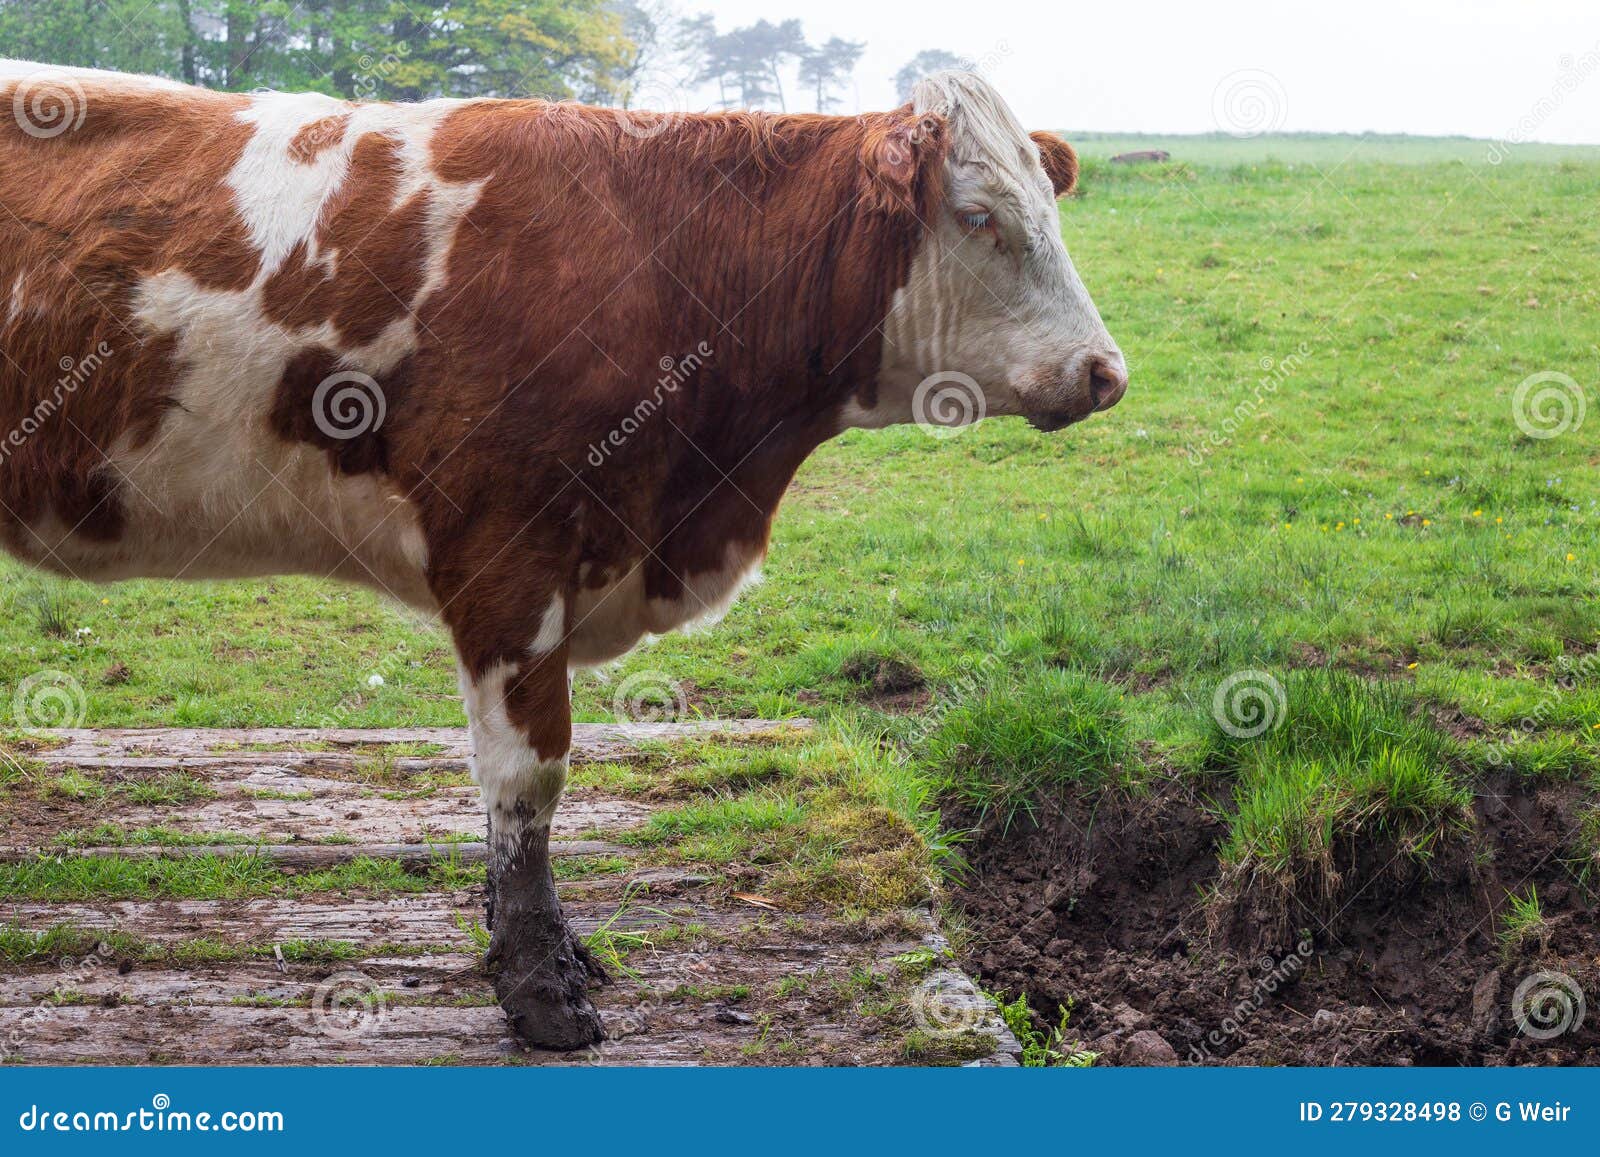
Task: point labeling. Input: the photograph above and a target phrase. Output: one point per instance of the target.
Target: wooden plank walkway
(396, 978)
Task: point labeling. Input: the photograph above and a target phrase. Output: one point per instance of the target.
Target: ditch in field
(1116, 904)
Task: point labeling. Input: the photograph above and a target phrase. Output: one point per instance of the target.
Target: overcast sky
(1503, 69)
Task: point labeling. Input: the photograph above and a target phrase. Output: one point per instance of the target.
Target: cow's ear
(1060, 162)
(903, 155)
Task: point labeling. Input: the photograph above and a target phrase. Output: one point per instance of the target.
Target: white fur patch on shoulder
(280, 202)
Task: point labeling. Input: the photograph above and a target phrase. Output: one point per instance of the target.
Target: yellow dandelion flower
(1387, 516)
(1498, 521)
(1477, 514)
(1427, 522)
(1571, 557)
(1411, 666)
(1339, 526)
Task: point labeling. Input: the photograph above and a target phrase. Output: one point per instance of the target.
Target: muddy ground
(1111, 905)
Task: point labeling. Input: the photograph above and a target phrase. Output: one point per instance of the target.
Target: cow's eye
(975, 218)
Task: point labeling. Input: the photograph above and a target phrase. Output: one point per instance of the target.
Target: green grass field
(1317, 480)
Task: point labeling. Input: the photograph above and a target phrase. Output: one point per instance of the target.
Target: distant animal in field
(1141, 157)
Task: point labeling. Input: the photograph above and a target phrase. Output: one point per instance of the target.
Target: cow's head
(993, 304)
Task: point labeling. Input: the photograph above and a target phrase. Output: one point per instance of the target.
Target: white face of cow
(993, 303)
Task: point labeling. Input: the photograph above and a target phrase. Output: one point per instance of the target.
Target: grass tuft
(998, 751)
(1352, 766)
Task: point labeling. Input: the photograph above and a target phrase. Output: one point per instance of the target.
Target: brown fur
(1060, 162)
(590, 256)
(134, 190)
(754, 255)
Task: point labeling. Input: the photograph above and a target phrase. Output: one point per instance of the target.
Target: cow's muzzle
(1091, 380)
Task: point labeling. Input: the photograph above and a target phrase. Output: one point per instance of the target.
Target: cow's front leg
(521, 731)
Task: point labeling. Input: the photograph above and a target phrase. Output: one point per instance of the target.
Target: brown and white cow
(541, 370)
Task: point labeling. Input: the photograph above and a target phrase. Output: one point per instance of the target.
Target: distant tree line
(601, 51)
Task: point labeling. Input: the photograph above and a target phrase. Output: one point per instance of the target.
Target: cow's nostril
(1108, 380)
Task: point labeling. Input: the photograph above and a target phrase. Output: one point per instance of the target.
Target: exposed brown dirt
(1105, 904)
(888, 685)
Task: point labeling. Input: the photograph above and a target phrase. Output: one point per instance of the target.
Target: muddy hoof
(597, 973)
(542, 984)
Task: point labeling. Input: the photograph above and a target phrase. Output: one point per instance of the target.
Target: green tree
(923, 64)
(379, 49)
(828, 66)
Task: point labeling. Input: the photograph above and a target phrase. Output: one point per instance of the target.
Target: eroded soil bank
(1112, 904)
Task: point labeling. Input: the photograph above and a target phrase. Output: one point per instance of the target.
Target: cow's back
(207, 304)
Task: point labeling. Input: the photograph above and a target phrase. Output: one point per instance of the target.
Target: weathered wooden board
(428, 919)
(344, 812)
(414, 990)
(305, 857)
(220, 1035)
(590, 741)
